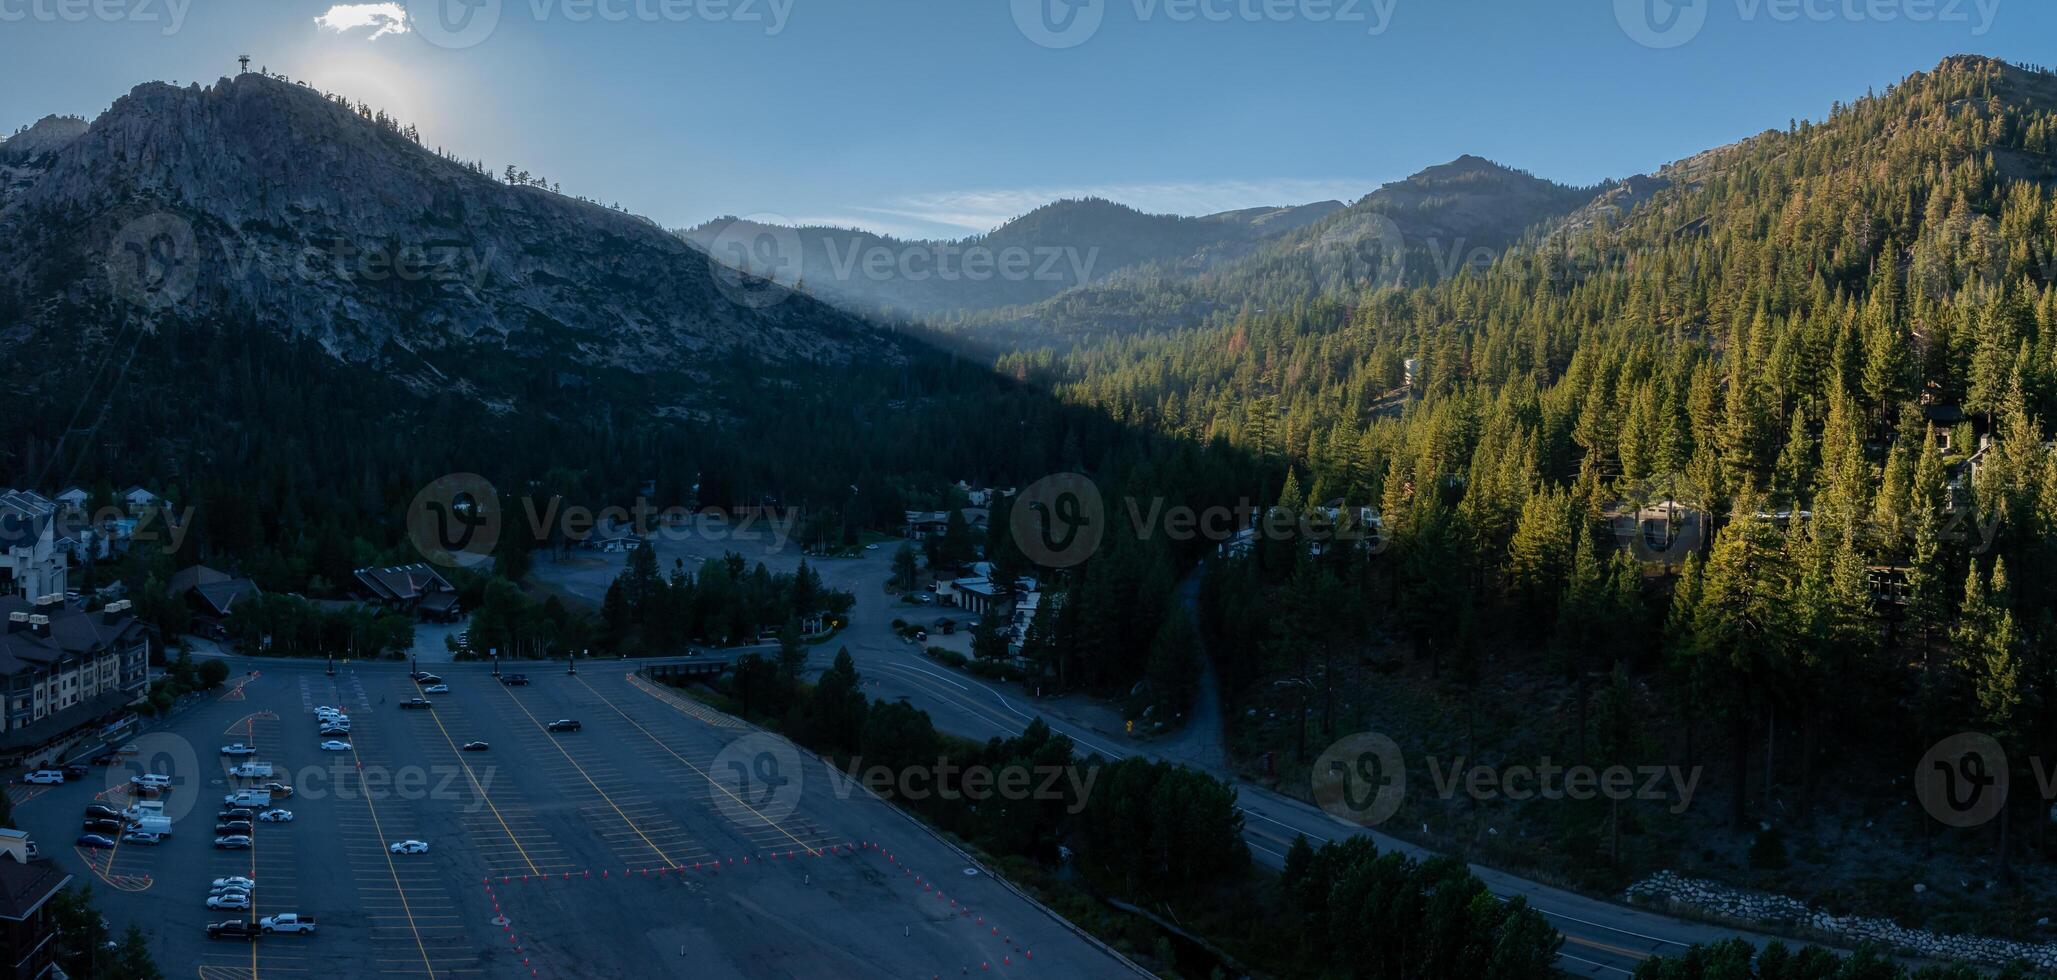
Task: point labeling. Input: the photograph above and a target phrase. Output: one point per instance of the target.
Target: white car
(436, 689)
(226, 889)
(44, 777)
(234, 881)
(229, 900)
(335, 745)
(279, 815)
(142, 837)
(233, 842)
(410, 847)
(237, 748)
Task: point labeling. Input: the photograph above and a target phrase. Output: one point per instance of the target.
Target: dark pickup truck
(233, 929)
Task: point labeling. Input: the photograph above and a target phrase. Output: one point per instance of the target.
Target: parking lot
(662, 838)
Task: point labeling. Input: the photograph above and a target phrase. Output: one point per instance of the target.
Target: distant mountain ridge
(1439, 222)
(1058, 246)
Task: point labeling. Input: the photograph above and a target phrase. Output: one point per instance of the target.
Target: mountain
(48, 135)
(259, 287)
(1056, 247)
(300, 210)
(1430, 226)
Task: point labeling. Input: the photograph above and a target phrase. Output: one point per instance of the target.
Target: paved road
(1602, 939)
(662, 840)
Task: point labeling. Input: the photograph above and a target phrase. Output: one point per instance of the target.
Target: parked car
(103, 826)
(476, 746)
(233, 929)
(142, 837)
(276, 815)
(427, 678)
(233, 842)
(565, 725)
(229, 900)
(237, 748)
(225, 889)
(101, 811)
(335, 745)
(515, 680)
(234, 880)
(43, 777)
(232, 827)
(235, 813)
(287, 922)
(252, 770)
(75, 771)
(417, 703)
(94, 840)
(278, 789)
(409, 847)
(436, 689)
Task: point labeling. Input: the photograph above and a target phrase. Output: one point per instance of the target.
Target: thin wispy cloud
(380, 19)
(977, 211)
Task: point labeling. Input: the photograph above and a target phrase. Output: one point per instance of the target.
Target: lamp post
(496, 661)
(332, 665)
(571, 662)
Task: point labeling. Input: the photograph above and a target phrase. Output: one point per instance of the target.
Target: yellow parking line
(479, 787)
(390, 867)
(711, 781)
(559, 746)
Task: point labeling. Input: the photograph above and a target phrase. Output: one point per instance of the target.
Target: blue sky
(946, 117)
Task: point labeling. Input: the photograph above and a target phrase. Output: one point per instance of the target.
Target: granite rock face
(258, 200)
